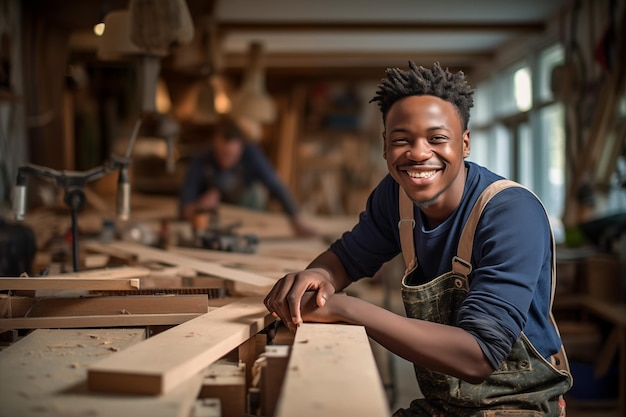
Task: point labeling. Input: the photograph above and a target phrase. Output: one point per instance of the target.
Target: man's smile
(421, 174)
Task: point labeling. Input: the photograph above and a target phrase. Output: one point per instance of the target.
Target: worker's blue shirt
(511, 258)
(235, 184)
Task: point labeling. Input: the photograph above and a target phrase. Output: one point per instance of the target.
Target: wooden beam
(164, 361)
(205, 267)
(368, 27)
(332, 372)
(114, 320)
(45, 283)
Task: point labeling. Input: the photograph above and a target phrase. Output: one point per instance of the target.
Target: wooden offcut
(164, 361)
(332, 372)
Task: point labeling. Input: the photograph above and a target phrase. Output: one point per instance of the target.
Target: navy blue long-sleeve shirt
(511, 258)
(204, 173)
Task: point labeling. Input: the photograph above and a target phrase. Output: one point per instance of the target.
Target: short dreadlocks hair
(418, 81)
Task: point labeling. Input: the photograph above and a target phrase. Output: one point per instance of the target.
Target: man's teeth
(421, 174)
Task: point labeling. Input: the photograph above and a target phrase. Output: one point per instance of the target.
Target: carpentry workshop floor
(397, 374)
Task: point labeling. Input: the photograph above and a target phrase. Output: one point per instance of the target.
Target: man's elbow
(477, 373)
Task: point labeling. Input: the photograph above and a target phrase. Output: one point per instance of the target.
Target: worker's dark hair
(228, 128)
(418, 81)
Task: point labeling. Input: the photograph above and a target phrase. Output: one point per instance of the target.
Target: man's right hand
(325, 276)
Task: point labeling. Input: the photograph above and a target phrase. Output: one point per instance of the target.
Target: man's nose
(420, 150)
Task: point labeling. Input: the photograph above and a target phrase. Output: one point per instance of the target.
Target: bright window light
(523, 89)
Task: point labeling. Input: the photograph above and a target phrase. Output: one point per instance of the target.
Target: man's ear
(466, 144)
(384, 146)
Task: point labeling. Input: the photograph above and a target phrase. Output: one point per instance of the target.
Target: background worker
(232, 171)
(480, 339)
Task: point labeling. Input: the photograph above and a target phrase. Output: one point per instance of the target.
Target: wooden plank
(86, 306)
(45, 283)
(115, 320)
(244, 260)
(164, 361)
(97, 279)
(332, 372)
(103, 273)
(205, 267)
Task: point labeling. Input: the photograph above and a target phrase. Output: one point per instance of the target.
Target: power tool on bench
(208, 233)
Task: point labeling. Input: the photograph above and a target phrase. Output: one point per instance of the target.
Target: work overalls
(525, 385)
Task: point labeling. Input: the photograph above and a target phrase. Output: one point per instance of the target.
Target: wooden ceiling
(347, 37)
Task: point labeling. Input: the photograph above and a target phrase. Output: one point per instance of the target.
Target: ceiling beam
(316, 61)
(308, 26)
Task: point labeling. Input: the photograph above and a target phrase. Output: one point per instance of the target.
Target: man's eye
(399, 140)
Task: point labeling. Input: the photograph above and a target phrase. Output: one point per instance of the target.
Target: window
(518, 129)
(548, 59)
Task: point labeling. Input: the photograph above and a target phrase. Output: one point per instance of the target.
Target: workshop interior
(104, 106)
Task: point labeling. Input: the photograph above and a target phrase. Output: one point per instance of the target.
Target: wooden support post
(332, 372)
(249, 351)
(226, 381)
(272, 376)
(161, 363)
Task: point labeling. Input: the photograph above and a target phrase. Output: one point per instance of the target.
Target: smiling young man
(478, 325)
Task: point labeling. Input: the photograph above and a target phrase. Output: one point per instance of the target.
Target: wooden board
(44, 375)
(101, 273)
(45, 283)
(205, 267)
(164, 361)
(332, 372)
(115, 320)
(85, 306)
(244, 260)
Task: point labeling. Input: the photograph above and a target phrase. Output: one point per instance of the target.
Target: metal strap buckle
(407, 220)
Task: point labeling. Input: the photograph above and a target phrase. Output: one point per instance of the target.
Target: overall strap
(406, 226)
(461, 263)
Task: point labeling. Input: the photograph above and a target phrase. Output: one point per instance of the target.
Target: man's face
(227, 150)
(425, 144)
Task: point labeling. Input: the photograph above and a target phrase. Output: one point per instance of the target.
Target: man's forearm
(442, 348)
